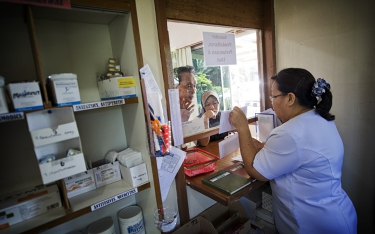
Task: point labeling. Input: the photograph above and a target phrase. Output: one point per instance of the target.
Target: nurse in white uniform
(302, 158)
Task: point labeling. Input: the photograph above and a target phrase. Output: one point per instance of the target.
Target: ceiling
(187, 34)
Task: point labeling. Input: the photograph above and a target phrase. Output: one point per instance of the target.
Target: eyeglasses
(273, 97)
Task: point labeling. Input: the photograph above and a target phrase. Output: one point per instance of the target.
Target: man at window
(187, 87)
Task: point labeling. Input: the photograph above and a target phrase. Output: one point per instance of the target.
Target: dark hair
(180, 70)
(300, 82)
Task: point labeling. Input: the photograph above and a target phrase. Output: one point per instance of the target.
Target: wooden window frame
(257, 14)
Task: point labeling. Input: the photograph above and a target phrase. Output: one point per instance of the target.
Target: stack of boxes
(107, 171)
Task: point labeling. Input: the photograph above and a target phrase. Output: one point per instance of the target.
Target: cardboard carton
(228, 219)
(56, 143)
(107, 174)
(25, 96)
(80, 183)
(197, 225)
(28, 203)
(65, 92)
(135, 175)
(116, 88)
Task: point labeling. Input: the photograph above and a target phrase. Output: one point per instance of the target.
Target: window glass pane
(236, 85)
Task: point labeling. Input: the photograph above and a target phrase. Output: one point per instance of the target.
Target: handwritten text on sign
(219, 49)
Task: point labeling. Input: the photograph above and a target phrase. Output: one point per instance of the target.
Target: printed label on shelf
(114, 199)
(94, 105)
(11, 116)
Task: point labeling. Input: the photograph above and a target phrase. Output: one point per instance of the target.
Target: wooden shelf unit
(78, 41)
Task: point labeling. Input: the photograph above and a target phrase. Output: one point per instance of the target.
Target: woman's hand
(206, 116)
(237, 118)
(209, 115)
(259, 145)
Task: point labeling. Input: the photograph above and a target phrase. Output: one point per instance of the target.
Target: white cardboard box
(107, 174)
(65, 92)
(54, 132)
(80, 183)
(28, 203)
(135, 175)
(25, 96)
(118, 87)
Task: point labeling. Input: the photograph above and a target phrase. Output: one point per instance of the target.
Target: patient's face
(212, 104)
(187, 86)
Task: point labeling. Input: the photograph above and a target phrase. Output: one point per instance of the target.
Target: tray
(198, 161)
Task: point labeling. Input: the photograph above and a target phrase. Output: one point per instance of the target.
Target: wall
(335, 40)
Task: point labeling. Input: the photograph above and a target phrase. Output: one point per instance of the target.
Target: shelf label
(95, 105)
(11, 116)
(114, 199)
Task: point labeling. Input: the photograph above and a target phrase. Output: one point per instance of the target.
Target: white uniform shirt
(303, 159)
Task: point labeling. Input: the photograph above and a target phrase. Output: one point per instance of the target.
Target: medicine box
(25, 96)
(80, 183)
(56, 142)
(65, 92)
(107, 174)
(117, 87)
(28, 203)
(135, 175)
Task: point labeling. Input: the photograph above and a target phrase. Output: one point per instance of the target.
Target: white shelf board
(35, 222)
(100, 194)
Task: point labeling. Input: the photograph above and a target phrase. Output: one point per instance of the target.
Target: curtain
(182, 57)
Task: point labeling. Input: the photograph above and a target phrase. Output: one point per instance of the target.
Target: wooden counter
(196, 181)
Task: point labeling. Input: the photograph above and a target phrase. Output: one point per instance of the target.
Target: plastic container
(130, 220)
(102, 226)
(198, 161)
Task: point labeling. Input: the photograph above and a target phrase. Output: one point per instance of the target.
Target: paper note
(150, 82)
(168, 166)
(229, 145)
(225, 125)
(276, 120)
(174, 104)
(193, 127)
(265, 124)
